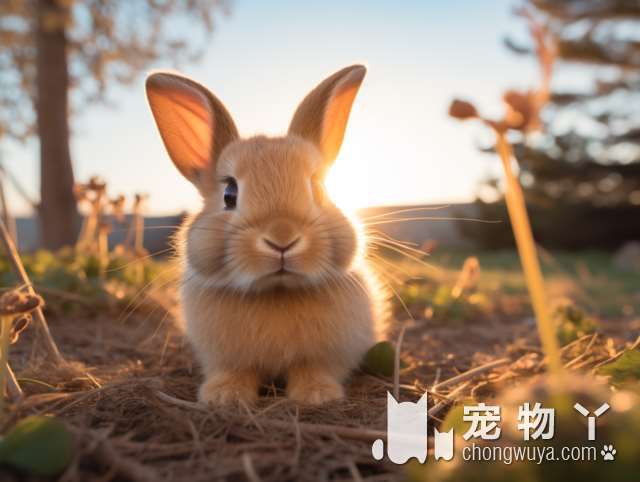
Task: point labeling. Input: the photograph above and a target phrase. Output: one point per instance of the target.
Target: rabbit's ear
(194, 125)
(323, 114)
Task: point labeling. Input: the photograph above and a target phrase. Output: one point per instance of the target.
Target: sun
(347, 185)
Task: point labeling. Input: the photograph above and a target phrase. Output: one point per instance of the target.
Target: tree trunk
(58, 211)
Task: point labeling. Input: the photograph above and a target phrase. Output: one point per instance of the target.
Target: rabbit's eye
(230, 194)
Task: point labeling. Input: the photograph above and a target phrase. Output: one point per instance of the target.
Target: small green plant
(69, 276)
(572, 323)
(438, 302)
(380, 359)
(89, 271)
(625, 371)
(37, 445)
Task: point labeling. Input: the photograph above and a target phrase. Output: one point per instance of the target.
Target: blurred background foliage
(582, 287)
(583, 170)
(59, 56)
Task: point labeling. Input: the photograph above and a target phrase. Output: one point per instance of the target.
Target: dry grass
(130, 399)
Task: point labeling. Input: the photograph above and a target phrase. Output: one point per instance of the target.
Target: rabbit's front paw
(229, 389)
(312, 387)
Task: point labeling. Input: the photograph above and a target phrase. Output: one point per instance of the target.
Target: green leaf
(380, 359)
(37, 445)
(625, 369)
(454, 420)
(572, 323)
(92, 266)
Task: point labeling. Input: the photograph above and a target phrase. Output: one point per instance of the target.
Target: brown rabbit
(274, 279)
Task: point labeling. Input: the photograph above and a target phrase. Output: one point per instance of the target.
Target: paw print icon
(608, 452)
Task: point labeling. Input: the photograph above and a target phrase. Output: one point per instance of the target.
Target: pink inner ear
(323, 114)
(335, 119)
(194, 124)
(185, 122)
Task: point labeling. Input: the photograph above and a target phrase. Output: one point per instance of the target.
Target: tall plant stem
(528, 256)
(5, 326)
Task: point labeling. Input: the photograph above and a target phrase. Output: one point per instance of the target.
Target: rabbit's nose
(280, 236)
(281, 248)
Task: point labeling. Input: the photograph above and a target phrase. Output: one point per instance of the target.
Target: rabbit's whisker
(381, 259)
(429, 218)
(138, 259)
(407, 210)
(136, 301)
(408, 255)
(398, 244)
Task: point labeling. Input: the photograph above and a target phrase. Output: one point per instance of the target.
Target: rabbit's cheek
(344, 244)
(205, 251)
(344, 252)
(311, 261)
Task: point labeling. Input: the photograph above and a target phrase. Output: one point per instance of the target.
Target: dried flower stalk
(52, 350)
(523, 114)
(528, 256)
(13, 305)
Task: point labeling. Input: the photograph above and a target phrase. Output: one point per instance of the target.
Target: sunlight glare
(347, 185)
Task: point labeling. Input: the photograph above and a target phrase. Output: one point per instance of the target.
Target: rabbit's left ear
(194, 125)
(323, 114)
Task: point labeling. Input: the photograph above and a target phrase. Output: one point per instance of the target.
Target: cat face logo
(406, 431)
(443, 444)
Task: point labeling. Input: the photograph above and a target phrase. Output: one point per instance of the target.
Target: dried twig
(474, 372)
(352, 433)
(14, 258)
(433, 411)
(15, 306)
(436, 379)
(13, 387)
(353, 470)
(468, 277)
(396, 364)
(5, 325)
(575, 342)
(586, 351)
(7, 218)
(125, 466)
(633, 346)
(249, 469)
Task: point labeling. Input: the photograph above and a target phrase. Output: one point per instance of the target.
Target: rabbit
(275, 284)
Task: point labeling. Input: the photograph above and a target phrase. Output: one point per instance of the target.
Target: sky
(400, 146)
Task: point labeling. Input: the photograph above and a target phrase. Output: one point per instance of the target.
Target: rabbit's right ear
(323, 114)
(194, 125)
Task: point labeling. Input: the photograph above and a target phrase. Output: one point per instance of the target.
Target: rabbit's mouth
(282, 273)
(281, 278)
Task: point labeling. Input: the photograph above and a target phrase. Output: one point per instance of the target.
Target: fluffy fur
(253, 309)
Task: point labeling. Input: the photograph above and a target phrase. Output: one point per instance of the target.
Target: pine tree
(582, 174)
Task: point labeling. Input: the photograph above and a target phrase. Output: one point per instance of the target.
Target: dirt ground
(129, 397)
